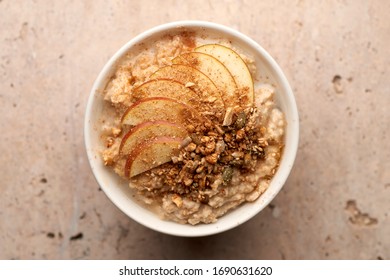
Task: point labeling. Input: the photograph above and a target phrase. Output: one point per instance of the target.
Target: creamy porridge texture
(185, 126)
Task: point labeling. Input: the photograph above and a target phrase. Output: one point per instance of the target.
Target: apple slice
(160, 108)
(148, 131)
(216, 71)
(151, 154)
(165, 88)
(236, 65)
(196, 80)
(175, 90)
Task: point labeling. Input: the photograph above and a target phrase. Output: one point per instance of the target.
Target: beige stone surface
(335, 204)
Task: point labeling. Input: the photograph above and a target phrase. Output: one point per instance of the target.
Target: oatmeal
(186, 127)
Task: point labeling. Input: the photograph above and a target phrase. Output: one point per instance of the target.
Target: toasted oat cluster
(209, 155)
(193, 136)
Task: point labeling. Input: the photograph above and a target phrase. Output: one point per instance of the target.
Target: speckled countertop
(335, 204)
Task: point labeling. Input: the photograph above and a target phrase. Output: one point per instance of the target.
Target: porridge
(184, 124)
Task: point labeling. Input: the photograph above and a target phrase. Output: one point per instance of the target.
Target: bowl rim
(209, 229)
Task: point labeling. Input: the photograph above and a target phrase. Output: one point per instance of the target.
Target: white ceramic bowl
(117, 190)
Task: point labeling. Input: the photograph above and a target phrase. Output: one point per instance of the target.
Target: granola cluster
(210, 156)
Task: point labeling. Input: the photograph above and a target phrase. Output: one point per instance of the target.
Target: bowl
(116, 188)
